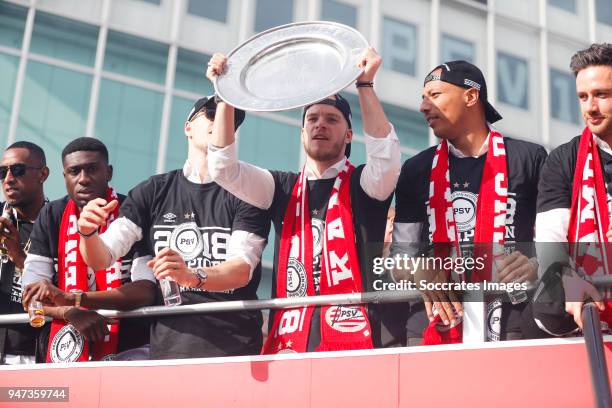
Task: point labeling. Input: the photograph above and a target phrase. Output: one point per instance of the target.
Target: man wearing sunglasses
(56, 275)
(23, 171)
(574, 206)
(201, 236)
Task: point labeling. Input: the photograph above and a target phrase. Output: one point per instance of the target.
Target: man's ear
(472, 96)
(187, 128)
(44, 174)
(349, 136)
(109, 174)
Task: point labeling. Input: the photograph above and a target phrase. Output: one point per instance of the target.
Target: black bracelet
(364, 84)
(87, 235)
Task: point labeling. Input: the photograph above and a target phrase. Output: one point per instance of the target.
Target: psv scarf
(589, 216)
(65, 343)
(342, 327)
(490, 220)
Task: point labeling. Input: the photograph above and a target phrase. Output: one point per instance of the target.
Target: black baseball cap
(339, 103)
(209, 106)
(465, 75)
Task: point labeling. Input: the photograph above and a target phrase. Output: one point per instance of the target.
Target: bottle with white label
(170, 292)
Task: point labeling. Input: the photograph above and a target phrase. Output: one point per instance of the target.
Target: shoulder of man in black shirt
(409, 197)
(557, 177)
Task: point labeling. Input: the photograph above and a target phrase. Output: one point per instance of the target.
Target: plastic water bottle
(170, 292)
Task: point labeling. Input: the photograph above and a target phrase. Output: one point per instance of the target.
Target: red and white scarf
(589, 216)
(490, 219)
(342, 327)
(65, 343)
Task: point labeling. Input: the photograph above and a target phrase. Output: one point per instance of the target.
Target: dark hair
(596, 54)
(85, 144)
(35, 150)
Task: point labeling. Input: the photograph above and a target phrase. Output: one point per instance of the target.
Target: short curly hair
(87, 144)
(596, 54)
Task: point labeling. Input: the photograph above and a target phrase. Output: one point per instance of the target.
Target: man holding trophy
(329, 219)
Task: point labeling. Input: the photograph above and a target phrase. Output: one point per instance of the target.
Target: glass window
(269, 144)
(272, 13)
(190, 72)
(410, 126)
(454, 48)
(512, 80)
(399, 46)
(212, 9)
(136, 57)
(568, 5)
(358, 153)
(333, 10)
(563, 101)
(604, 12)
(264, 290)
(267, 255)
(64, 39)
(53, 112)
(12, 24)
(176, 151)
(128, 122)
(8, 67)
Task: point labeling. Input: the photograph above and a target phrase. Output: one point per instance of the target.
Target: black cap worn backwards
(465, 75)
(342, 105)
(208, 105)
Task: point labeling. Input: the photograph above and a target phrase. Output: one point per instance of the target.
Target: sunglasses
(17, 170)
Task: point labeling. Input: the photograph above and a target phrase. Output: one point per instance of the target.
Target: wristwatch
(77, 297)
(202, 276)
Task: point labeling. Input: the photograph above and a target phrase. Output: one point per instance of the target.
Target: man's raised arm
(383, 160)
(249, 183)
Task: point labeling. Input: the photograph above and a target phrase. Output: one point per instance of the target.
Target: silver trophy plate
(291, 66)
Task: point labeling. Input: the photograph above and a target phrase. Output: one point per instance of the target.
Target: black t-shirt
(369, 222)
(19, 339)
(197, 220)
(133, 332)
(557, 179)
(524, 161)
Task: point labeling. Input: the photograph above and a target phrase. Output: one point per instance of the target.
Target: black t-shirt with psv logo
(524, 161)
(197, 220)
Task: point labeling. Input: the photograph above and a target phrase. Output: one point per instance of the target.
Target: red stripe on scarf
(589, 216)
(72, 274)
(490, 219)
(342, 327)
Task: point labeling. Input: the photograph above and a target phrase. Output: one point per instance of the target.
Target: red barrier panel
(509, 374)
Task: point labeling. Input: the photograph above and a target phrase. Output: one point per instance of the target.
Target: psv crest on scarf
(489, 231)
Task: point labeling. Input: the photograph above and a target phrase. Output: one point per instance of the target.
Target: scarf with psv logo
(342, 327)
(66, 344)
(490, 222)
(589, 216)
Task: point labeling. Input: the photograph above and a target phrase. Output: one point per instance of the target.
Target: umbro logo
(169, 217)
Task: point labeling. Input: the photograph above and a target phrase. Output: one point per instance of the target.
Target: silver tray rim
(278, 28)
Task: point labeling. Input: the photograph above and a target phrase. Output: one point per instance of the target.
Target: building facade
(128, 71)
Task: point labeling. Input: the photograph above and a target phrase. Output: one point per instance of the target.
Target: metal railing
(387, 296)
